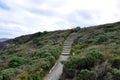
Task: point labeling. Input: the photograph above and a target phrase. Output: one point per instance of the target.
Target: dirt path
(57, 70)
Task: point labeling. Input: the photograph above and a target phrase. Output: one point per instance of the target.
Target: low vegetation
(97, 54)
(32, 56)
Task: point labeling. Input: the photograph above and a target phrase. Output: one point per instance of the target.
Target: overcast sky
(19, 17)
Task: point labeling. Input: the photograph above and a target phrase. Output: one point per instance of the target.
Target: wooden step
(66, 51)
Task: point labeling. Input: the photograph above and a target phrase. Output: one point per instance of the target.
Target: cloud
(43, 12)
(19, 17)
(4, 6)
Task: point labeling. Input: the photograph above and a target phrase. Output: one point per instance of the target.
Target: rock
(4, 46)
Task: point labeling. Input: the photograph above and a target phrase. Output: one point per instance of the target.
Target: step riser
(66, 46)
(67, 52)
(66, 49)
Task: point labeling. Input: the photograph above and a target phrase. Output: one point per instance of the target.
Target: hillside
(96, 54)
(30, 57)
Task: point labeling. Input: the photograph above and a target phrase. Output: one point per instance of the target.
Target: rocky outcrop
(4, 46)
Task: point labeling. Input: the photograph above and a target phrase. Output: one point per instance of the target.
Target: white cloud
(18, 17)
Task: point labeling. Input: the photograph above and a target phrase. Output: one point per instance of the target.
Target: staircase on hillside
(67, 44)
(57, 69)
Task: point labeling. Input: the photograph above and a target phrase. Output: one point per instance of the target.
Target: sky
(21, 17)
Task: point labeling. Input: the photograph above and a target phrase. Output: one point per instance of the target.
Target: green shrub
(46, 65)
(16, 61)
(92, 58)
(102, 69)
(7, 74)
(116, 62)
(36, 40)
(108, 76)
(117, 41)
(67, 33)
(116, 74)
(22, 76)
(70, 65)
(77, 29)
(38, 34)
(43, 53)
(51, 59)
(101, 38)
(9, 51)
(34, 77)
(45, 32)
(86, 75)
(117, 51)
(76, 49)
(56, 52)
(81, 62)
